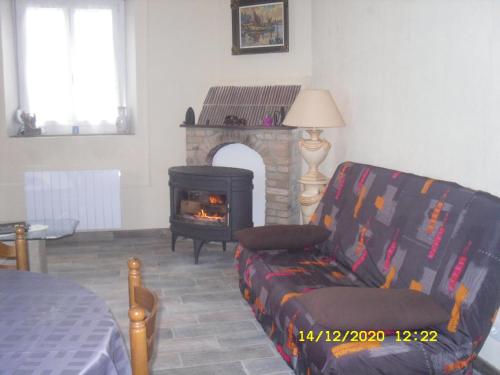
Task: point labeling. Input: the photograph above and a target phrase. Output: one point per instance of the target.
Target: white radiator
(92, 197)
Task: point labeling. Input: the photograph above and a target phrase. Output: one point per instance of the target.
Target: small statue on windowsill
(122, 125)
(28, 120)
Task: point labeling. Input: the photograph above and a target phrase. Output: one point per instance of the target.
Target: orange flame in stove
(204, 216)
(215, 199)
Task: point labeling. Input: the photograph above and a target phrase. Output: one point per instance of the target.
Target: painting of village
(262, 25)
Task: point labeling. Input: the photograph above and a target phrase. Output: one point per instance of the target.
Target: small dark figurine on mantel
(279, 117)
(190, 117)
(283, 115)
(232, 120)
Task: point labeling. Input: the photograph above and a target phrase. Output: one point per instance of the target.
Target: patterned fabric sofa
(389, 230)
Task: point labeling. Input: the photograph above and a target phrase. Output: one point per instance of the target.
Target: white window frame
(119, 33)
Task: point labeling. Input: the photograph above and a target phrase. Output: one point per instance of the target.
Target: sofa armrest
(272, 237)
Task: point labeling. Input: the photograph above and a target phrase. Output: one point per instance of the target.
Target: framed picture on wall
(259, 26)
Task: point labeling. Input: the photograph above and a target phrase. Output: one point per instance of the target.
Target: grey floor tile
(171, 282)
(201, 307)
(265, 366)
(188, 344)
(214, 328)
(238, 339)
(178, 320)
(199, 289)
(225, 355)
(226, 315)
(163, 361)
(233, 368)
(205, 327)
(164, 334)
(212, 297)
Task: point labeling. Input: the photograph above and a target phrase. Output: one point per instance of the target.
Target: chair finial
(134, 263)
(20, 231)
(136, 314)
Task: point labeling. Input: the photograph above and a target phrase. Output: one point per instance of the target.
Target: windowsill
(70, 131)
(67, 135)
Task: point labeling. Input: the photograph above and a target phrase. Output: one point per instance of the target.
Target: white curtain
(71, 61)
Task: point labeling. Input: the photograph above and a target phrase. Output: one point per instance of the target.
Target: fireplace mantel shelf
(229, 127)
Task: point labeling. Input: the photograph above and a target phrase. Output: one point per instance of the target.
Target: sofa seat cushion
(276, 277)
(390, 309)
(272, 237)
(283, 317)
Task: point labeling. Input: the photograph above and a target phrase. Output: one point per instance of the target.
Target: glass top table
(38, 233)
(46, 230)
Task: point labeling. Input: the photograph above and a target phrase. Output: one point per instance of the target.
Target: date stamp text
(367, 336)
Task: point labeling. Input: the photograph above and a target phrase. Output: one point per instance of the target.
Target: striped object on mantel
(92, 197)
(251, 103)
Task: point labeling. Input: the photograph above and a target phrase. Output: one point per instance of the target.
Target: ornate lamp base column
(314, 151)
(309, 199)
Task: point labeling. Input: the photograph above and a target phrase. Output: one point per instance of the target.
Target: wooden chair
(18, 251)
(143, 309)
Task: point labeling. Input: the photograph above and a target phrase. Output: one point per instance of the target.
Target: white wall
(182, 47)
(418, 83)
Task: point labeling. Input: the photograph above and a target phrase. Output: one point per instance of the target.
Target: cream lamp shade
(314, 109)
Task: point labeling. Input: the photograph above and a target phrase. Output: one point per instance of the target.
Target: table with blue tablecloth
(52, 326)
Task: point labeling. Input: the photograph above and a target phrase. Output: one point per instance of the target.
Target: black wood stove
(209, 204)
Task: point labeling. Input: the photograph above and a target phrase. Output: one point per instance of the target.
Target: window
(71, 63)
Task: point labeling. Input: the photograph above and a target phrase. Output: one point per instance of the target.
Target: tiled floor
(206, 328)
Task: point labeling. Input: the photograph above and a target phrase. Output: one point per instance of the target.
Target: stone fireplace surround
(278, 148)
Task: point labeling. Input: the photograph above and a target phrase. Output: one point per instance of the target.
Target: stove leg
(174, 238)
(223, 245)
(198, 244)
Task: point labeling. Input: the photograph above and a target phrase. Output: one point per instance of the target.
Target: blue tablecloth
(52, 326)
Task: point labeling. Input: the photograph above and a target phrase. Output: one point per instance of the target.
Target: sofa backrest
(399, 230)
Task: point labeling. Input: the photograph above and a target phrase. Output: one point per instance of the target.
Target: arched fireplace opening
(238, 155)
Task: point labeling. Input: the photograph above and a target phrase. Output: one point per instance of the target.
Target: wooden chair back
(143, 310)
(18, 251)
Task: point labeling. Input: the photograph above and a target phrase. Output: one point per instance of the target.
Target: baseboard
(109, 235)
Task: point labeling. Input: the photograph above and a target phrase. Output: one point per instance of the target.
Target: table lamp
(313, 110)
